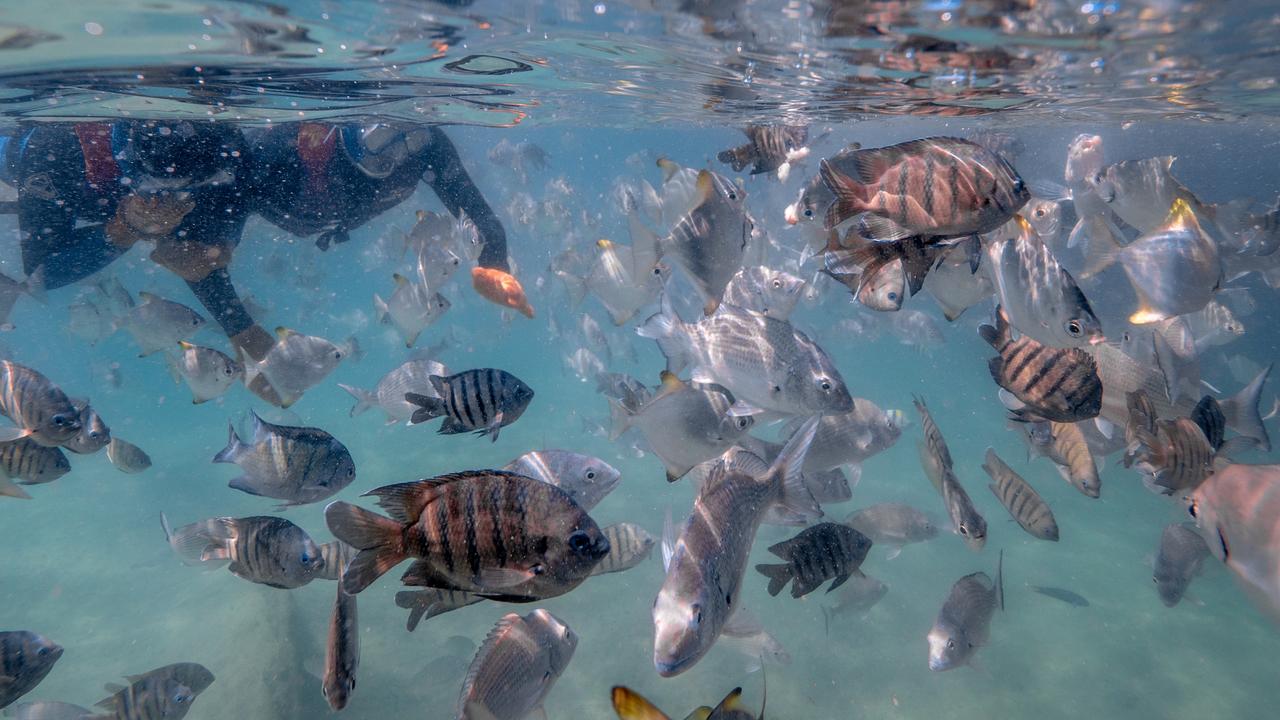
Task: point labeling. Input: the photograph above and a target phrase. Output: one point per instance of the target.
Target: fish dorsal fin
(400, 280)
(870, 164)
(669, 168)
(420, 215)
(703, 188)
(496, 634)
(405, 501)
(1181, 216)
(630, 705)
(731, 702)
(284, 333)
(670, 384)
(147, 297)
(186, 345)
(702, 713)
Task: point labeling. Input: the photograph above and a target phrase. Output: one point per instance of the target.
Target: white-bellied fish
(157, 324)
(1238, 511)
(413, 376)
(207, 371)
(515, 667)
(412, 307)
(764, 290)
(299, 465)
(586, 479)
(296, 363)
(893, 525)
(964, 622)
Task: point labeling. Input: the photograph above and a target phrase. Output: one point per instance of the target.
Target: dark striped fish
(629, 545)
(710, 240)
(1182, 552)
(1207, 415)
(299, 465)
(25, 658)
(29, 463)
(336, 555)
(491, 532)
(342, 651)
(935, 457)
(937, 186)
(1142, 423)
(36, 406)
(1058, 384)
(769, 148)
(817, 554)
(153, 697)
(266, 550)
(93, 435)
(194, 675)
(481, 401)
(1020, 499)
(1070, 452)
(516, 667)
(1176, 458)
(426, 604)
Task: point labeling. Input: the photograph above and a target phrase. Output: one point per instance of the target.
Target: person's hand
(188, 259)
(254, 343)
(156, 214)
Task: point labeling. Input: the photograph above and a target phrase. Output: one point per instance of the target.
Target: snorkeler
(88, 192)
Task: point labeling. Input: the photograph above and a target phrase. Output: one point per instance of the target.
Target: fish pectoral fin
(742, 409)
(214, 553)
(505, 577)
(246, 484)
(1104, 426)
(477, 711)
(894, 551)
(9, 434)
(882, 228)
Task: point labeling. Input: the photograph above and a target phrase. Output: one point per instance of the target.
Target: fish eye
(42, 651)
(964, 530)
(306, 557)
(808, 212)
(1155, 579)
(60, 420)
(697, 613)
(1073, 328)
(893, 295)
(826, 385)
(951, 644)
(195, 321)
(1040, 212)
(591, 474)
(1192, 509)
(733, 195)
(1018, 185)
(657, 270)
(777, 284)
(743, 422)
(579, 541)
(337, 355)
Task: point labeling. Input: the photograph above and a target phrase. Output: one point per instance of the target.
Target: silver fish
(157, 324)
(437, 238)
(1238, 511)
(585, 364)
(1174, 268)
(586, 479)
(859, 595)
(683, 425)
(26, 658)
(11, 290)
(1045, 217)
(935, 458)
(710, 240)
(916, 329)
(89, 320)
(964, 622)
(94, 433)
(629, 545)
(208, 372)
(1041, 298)
(954, 284)
(299, 465)
(1182, 552)
(413, 376)
(412, 307)
(764, 290)
(626, 278)
(516, 667)
(342, 651)
(706, 564)
(296, 363)
(126, 456)
(767, 364)
(745, 633)
(893, 525)
(1141, 191)
(852, 437)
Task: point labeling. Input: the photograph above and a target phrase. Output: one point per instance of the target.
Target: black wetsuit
(320, 190)
(71, 178)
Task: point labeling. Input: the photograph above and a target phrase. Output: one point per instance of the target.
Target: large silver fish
(964, 622)
(706, 564)
(767, 364)
(764, 290)
(516, 667)
(683, 425)
(1040, 297)
(299, 465)
(1238, 511)
(207, 371)
(586, 479)
(893, 525)
(710, 240)
(296, 363)
(852, 437)
(412, 307)
(158, 324)
(1141, 191)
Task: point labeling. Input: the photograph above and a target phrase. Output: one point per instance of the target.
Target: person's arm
(453, 185)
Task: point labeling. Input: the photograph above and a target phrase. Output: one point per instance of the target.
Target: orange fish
(502, 288)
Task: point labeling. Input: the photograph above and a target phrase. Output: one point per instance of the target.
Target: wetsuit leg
(219, 297)
(453, 185)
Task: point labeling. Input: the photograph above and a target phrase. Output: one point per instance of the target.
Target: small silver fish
(412, 307)
(157, 324)
(964, 622)
(1182, 552)
(516, 667)
(893, 525)
(207, 371)
(342, 651)
(299, 465)
(586, 479)
(126, 456)
(94, 433)
(764, 290)
(852, 437)
(413, 376)
(296, 363)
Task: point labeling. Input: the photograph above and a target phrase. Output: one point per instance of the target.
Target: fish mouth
(670, 668)
(1097, 339)
(938, 664)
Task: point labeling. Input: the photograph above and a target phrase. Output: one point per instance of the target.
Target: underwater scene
(640, 359)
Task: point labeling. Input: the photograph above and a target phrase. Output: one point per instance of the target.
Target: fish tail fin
(630, 705)
(34, 285)
(666, 328)
(364, 399)
(793, 495)
(850, 195)
(1000, 580)
(1104, 244)
(619, 419)
(53, 710)
(409, 600)
(1242, 413)
(428, 407)
(191, 542)
(738, 157)
(381, 312)
(379, 539)
(997, 336)
(778, 575)
(8, 489)
(233, 449)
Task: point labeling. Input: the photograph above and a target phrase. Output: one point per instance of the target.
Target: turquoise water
(85, 562)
